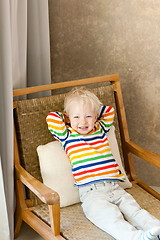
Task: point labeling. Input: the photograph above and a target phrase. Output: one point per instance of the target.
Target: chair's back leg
(18, 210)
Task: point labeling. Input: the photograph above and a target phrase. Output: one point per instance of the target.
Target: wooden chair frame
(49, 196)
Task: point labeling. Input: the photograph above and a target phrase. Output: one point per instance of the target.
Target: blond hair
(84, 96)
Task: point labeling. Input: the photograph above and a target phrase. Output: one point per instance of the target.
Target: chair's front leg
(54, 214)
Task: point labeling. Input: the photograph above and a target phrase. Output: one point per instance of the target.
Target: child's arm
(106, 117)
(56, 125)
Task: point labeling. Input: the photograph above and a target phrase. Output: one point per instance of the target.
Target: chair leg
(17, 220)
(20, 203)
(54, 213)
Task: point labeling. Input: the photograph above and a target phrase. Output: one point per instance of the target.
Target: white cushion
(56, 169)
(56, 172)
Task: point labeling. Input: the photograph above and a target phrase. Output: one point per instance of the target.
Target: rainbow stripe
(90, 155)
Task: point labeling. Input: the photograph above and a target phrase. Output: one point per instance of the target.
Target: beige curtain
(6, 129)
(23, 42)
(38, 53)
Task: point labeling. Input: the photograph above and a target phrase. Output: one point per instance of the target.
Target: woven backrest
(32, 131)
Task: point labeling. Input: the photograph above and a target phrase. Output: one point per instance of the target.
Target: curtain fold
(19, 42)
(4, 227)
(6, 123)
(38, 45)
(17, 35)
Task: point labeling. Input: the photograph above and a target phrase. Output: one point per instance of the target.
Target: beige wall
(97, 37)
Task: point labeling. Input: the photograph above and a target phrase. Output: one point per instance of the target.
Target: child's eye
(89, 116)
(76, 117)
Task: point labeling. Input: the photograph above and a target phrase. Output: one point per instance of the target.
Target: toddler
(81, 130)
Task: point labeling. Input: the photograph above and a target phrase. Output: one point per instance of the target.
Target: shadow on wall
(96, 37)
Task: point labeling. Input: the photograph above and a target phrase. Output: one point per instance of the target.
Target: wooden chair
(38, 205)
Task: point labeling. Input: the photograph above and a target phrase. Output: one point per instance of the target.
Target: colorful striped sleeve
(106, 117)
(57, 126)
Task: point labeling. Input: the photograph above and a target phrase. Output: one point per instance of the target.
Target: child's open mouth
(83, 128)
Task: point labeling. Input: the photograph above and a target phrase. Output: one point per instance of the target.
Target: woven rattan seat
(39, 206)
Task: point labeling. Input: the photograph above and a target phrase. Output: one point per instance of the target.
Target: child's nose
(83, 120)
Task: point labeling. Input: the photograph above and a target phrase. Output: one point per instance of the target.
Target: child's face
(82, 117)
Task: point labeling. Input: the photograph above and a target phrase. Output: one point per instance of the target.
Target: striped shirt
(90, 155)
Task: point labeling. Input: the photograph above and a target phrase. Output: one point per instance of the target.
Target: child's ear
(66, 118)
(96, 117)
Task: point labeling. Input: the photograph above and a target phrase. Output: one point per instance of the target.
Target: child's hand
(66, 118)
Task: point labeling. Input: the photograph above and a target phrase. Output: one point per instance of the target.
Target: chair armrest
(44, 193)
(146, 155)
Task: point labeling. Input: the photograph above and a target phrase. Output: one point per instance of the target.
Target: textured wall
(96, 37)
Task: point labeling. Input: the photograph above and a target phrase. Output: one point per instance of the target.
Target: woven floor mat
(75, 226)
